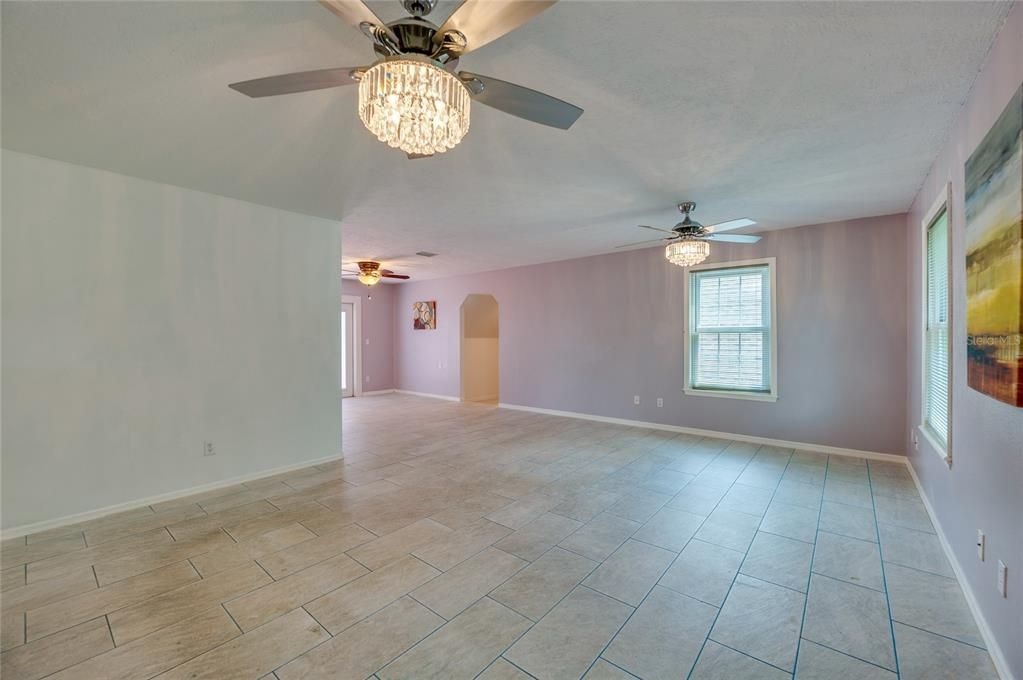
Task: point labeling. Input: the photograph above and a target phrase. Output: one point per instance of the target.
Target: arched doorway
(479, 349)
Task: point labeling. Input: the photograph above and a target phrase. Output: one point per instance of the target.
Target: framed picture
(424, 316)
(994, 259)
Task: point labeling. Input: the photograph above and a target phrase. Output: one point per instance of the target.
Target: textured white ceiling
(786, 112)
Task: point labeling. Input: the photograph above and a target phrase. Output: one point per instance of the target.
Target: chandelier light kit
(411, 104)
(687, 252)
(412, 98)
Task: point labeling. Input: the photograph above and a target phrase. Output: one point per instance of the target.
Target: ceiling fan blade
(302, 81)
(666, 231)
(732, 238)
(482, 21)
(389, 275)
(348, 271)
(729, 225)
(639, 243)
(523, 102)
(416, 156)
(355, 13)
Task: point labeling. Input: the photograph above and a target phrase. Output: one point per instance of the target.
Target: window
(936, 336)
(731, 340)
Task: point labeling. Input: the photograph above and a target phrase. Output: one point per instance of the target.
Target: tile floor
(464, 541)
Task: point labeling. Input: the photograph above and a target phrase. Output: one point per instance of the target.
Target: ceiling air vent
(426, 253)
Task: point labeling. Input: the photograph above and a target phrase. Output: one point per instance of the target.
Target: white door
(347, 349)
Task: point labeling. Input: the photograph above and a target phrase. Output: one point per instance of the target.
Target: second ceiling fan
(370, 273)
(688, 244)
(411, 97)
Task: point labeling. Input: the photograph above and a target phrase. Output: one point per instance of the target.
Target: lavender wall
(984, 487)
(378, 328)
(586, 335)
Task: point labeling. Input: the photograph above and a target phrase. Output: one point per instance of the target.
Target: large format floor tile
(729, 529)
(790, 521)
(848, 559)
(718, 662)
(850, 619)
(848, 520)
(762, 620)
(601, 536)
(663, 638)
(925, 656)
(466, 541)
(779, 560)
(915, 549)
(704, 571)
(821, 663)
(461, 648)
(933, 603)
(364, 648)
(630, 573)
(535, 590)
(568, 639)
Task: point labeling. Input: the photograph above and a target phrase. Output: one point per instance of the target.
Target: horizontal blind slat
(936, 340)
(730, 329)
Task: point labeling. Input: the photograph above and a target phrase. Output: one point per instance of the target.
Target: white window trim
(356, 340)
(942, 202)
(732, 394)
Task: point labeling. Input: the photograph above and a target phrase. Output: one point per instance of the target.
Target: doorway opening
(479, 349)
(351, 355)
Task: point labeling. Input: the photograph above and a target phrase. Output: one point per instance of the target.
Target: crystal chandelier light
(414, 105)
(687, 252)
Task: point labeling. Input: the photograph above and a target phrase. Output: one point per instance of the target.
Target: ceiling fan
(370, 273)
(688, 243)
(411, 97)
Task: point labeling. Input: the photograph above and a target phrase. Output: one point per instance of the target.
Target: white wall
(140, 319)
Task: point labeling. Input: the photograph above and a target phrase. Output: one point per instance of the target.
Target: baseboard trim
(428, 394)
(831, 450)
(56, 523)
(377, 393)
(1001, 665)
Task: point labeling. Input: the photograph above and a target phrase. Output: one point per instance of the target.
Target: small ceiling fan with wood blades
(370, 273)
(688, 244)
(411, 97)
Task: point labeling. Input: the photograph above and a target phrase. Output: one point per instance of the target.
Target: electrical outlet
(366, 379)
(1002, 575)
(367, 341)
(660, 402)
(635, 400)
(981, 543)
(208, 450)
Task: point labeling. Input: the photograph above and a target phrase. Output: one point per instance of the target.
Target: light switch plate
(1002, 576)
(981, 544)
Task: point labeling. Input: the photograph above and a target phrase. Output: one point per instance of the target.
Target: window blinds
(936, 360)
(730, 329)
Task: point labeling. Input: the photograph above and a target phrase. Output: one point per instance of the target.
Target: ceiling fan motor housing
(688, 227)
(419, 8)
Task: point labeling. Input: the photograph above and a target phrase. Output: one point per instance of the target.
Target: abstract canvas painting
(424, 316)
(994, 259)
